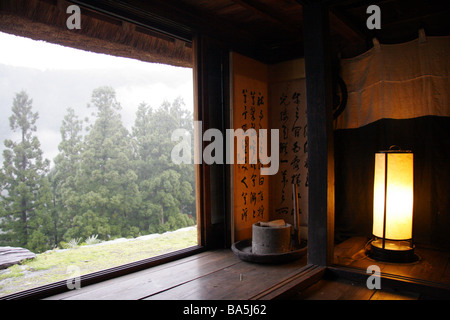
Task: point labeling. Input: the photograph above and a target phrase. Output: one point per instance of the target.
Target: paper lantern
(393, 199)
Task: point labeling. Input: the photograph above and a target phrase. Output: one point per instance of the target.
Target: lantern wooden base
(392, 251)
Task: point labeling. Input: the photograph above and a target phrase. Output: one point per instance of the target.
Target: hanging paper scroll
(250, 99)
(288, 114)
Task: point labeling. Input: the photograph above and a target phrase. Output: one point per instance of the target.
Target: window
(87, 181)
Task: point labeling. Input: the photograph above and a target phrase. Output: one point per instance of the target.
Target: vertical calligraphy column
(250, 188)
(288, 114)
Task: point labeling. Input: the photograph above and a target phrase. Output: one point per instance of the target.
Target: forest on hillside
(106, 181)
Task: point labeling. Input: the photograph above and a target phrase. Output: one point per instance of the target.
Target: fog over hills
(53, 90)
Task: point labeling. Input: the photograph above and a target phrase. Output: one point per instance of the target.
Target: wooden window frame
(208, 237)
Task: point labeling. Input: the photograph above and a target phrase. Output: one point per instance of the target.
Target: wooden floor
(432, 268)
(220, 275)
(343, 289)
(212, 275)
(433, 265)
(427, 278)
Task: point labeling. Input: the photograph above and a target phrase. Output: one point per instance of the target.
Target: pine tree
(142, 141)
(185, 120)
(109, 192)
(65, 173)
(165, 187)
(25, 190)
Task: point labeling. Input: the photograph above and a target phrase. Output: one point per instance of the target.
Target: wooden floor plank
(388, 294)
(344, 289)
(240, 281)
(446, 276)
(326, 289)
(306, 276)
(144, 283)
(350, 252)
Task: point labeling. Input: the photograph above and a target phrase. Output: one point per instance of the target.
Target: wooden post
(209, 98)
(320, 133)
(201, 173)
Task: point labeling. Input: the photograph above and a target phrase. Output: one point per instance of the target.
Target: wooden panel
(249, 100)
(288, 115)
(287, 71)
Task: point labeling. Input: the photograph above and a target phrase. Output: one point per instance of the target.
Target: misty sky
(58, 77)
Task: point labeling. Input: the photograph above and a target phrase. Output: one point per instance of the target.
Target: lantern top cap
(395, 149)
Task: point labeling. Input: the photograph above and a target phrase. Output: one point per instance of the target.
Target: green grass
(52, 266)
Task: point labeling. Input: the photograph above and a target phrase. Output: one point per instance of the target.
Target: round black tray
(243, 249)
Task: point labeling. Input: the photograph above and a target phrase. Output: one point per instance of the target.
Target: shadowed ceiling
(272, 30)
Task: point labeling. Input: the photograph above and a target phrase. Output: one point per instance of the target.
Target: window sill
(60, 287)
(209, 275)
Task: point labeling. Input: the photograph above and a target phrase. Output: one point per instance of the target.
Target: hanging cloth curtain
(397, 81)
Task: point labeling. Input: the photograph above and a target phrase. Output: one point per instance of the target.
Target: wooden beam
(320, 134)
(172, 17)
(347, 28)
(419, 16)
(268, 13)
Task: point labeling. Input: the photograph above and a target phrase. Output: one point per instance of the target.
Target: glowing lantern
(393, 207)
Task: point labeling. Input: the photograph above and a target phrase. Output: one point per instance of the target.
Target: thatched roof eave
(41, 20)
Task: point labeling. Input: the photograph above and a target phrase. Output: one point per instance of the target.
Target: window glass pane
(87, 177)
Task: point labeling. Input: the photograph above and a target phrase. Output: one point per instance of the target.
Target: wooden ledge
(210, 275)
(306, 276)
(428, 288)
